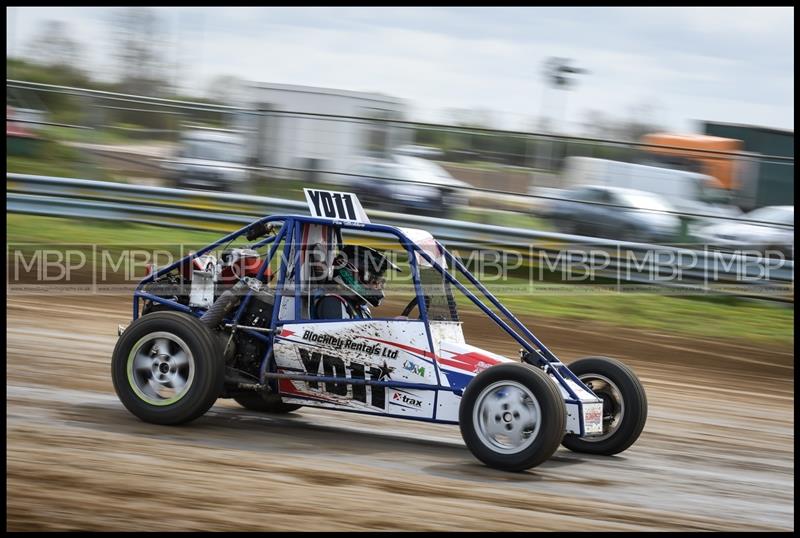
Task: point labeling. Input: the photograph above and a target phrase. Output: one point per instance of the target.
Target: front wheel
(166, 368)
(624, 405)
(512, 416)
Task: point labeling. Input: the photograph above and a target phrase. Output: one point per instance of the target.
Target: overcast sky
(669, 65)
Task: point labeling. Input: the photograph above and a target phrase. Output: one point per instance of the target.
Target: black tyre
(265, 402)
(624, 405)
(167, 369)
(152, 307)
(512, 416)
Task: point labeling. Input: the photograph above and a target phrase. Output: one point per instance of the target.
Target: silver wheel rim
(507, 417)
(613, 404)
(160, 368)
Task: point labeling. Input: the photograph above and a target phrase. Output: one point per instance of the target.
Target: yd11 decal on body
(332, 366)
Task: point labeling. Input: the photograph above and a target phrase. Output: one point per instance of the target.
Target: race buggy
(242, 325)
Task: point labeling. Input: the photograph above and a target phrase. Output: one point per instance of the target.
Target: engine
(202, 281)
(249, 350)
(219, 286)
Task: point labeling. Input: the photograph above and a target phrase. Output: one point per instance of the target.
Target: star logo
(384, 372)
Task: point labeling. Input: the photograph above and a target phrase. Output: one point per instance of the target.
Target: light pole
(558, 74)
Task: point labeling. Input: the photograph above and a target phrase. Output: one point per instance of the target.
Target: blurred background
(432, 116)
(660, 138)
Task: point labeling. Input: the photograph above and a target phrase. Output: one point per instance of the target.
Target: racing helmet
(361, 270)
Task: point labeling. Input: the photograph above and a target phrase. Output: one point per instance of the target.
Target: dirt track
(716, 453)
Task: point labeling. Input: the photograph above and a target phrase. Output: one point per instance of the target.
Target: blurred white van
(689, 192)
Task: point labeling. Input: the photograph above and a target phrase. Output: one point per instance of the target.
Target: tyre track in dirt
(718, 459)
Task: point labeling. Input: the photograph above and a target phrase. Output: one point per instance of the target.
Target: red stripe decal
(453, 364)
(471, 361)
(287, 387)
(417, 350)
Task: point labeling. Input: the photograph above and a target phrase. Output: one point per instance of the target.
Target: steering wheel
(411, 305)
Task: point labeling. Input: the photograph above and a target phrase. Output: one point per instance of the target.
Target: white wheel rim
(507, 417)
(160, 368)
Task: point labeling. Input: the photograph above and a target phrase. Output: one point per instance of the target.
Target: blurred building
(292, 131)
(773, 181)
(755, 165)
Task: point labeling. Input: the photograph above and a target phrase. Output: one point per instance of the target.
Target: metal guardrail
(621, 260)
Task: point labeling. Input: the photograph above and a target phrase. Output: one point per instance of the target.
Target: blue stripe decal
(457, 379)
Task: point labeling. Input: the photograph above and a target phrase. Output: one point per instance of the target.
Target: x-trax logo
(402, 398)
(414, 368)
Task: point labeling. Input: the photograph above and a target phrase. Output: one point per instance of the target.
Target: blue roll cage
(533, 350)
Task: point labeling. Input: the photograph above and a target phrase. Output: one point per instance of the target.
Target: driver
(357, 282)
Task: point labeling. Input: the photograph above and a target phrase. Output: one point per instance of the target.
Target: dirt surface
(716, 453)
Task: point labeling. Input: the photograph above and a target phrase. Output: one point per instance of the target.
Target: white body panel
(395, 350)
(446, 331)
(371, 349)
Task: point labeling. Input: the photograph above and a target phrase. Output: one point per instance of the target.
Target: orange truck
(701, 153)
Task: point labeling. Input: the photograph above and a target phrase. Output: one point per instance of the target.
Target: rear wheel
(512, 416)
(265, 402)
(166, 368)
(624, 405)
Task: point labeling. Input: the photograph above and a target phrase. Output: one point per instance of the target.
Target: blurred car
(405, 183)
(770, 229)
(631, 215)
(30, 119)
(22, 139)
(209, 159)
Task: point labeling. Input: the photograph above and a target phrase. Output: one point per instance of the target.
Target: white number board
(335, 205)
